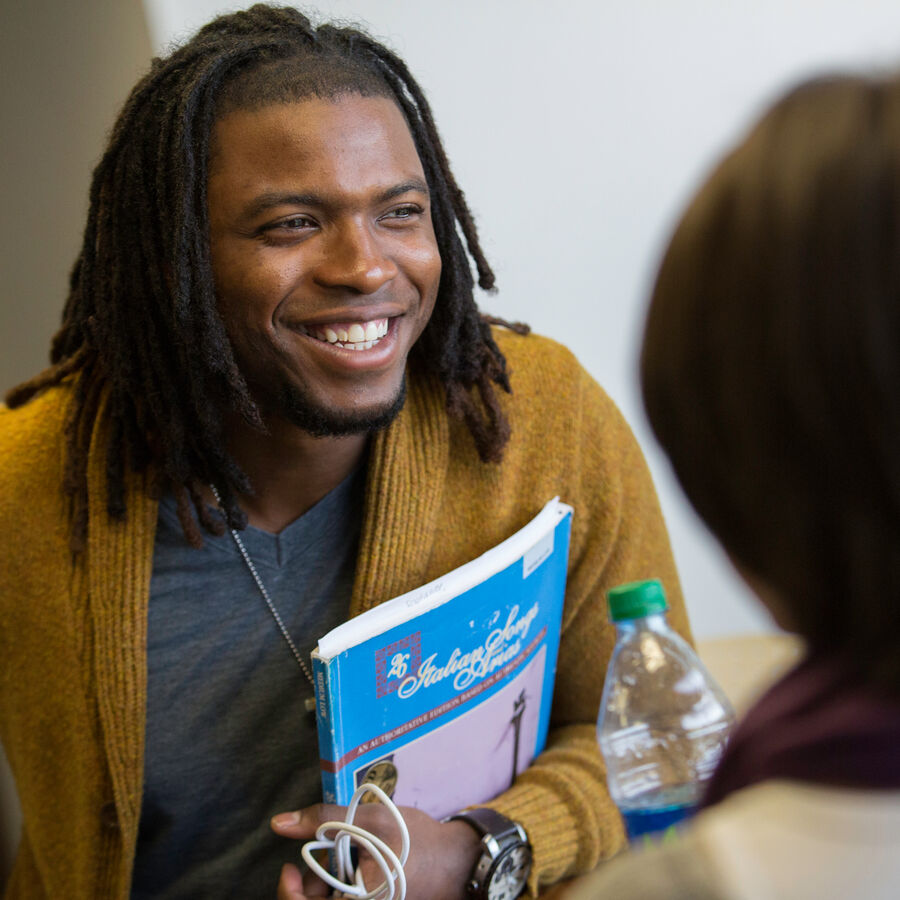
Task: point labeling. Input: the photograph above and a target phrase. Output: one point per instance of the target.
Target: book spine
(558, 564)
(328, 717)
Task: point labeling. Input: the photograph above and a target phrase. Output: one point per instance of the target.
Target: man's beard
(322, 422)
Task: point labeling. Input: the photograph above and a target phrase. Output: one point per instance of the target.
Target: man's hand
(290, 885)
(441, 856)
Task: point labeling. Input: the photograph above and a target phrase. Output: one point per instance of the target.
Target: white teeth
(359, 336)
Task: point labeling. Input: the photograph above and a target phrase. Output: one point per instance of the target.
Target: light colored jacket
(777, 840)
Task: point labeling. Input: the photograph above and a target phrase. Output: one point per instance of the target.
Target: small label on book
(537, 554)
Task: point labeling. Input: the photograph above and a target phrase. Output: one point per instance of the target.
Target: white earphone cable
(344, 834)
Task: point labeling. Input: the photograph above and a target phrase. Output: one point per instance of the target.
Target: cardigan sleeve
(618, 536)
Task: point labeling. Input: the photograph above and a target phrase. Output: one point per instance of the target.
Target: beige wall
(67, 67)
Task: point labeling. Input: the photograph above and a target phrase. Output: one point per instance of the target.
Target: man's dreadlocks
(140, 327)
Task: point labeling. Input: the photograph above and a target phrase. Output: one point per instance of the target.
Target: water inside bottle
(659, 813)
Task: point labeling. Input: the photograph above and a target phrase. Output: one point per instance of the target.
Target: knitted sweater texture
(73, 666)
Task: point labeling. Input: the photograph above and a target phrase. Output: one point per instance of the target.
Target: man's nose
(355, 258)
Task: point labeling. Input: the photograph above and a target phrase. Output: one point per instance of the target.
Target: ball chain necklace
(310, 702)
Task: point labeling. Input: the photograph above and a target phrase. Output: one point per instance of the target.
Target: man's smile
(349, 335)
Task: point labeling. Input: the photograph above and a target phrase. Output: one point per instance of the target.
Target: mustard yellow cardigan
(73, 673)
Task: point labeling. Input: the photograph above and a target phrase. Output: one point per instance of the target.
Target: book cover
(442, 695)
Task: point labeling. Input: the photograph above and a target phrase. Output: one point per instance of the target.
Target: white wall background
(578, 129)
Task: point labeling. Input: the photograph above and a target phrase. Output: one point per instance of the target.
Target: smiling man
(293, 222)
(273, 404)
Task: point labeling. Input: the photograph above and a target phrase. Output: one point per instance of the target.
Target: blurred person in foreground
(771, 376)
(272, 328)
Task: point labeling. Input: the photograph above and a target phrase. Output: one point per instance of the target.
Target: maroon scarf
(820, 724)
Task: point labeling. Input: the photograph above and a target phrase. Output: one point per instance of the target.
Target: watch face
(508, 877)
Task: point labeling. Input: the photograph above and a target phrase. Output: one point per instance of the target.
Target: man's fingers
(290, 885)
(298, 825)
(302, 823)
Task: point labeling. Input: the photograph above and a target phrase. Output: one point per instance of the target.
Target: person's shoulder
(676, 871)
(533, 355)
(32, 435)
(37, 418)
(782, 831)
(546, 373)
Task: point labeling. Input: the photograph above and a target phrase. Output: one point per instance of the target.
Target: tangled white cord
(344, 833)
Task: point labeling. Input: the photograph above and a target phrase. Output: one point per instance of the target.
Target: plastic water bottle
(663, 720)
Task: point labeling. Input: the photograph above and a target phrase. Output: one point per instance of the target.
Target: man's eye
(408, 211)
(295, 223)
(288, 229)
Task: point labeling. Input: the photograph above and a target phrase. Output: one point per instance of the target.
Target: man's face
(324, 257)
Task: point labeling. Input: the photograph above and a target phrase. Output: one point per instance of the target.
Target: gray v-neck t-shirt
(229, 742)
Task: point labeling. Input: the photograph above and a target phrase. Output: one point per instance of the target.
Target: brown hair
(771, 361)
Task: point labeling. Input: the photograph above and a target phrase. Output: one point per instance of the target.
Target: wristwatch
(502, 870)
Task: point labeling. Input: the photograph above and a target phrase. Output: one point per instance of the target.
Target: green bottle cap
(636, 599)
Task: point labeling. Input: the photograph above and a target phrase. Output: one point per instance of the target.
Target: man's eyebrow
(414, 184)
(270, 199)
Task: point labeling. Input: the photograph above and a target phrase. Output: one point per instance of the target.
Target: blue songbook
(442, 696)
